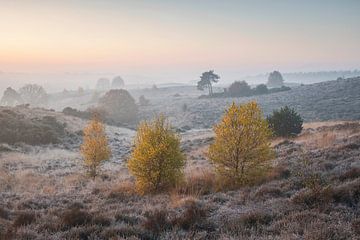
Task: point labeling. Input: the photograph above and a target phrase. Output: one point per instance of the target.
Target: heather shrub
(17, 128)
(241, 148)
(285, 122)
(350, 174)
(157, 221)
(75, 217)
(193, 215)
(156, 161)
(24, 218)
(4, 214)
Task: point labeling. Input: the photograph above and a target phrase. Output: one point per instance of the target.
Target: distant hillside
(306, 77)
(332, 100)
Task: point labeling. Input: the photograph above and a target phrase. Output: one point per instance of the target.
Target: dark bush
(131, 220)
(143, 101)
(193, 215)
(313, 199)
(255, 219)
(76, 113)
(350, 174)
(157, 221)
(24, 218)
(4, 214)
(261, 89)
(285, 122)
(280, 89)
(275, 79)
(75, 217)
(120, 106)
(356, 226)
(239, 89)
(16, 128)
(348, 194)
(101, 220)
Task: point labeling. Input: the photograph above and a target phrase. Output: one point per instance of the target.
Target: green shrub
(285, 122)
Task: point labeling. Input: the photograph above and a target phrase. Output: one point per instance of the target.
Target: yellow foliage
(241, 149)
(156, 161)
(95, 148)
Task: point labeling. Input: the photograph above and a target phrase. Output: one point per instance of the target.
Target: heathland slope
(330, 100)
(312, 192)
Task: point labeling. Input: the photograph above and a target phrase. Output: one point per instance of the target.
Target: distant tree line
(241, 88)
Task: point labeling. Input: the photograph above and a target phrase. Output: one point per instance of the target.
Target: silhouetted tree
(261, 89)
(119, 106)
(206, 81)
(11, 97)
(103, 84)
(33, 94)
(143, 101)
(81, 90)
(239, 89)
(117, 83)
(275, 79)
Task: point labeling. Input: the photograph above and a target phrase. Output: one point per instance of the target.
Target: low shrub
(312, 199)
(17, 128)
(4, 214)
(350, 174)
(24, 218)
(193, 215)
(255, 219)
(75, 217)
(157, 221)
(101, 220)
(348, 194)
(131, 220)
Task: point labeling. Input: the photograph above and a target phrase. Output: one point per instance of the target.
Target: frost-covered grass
(45, 194)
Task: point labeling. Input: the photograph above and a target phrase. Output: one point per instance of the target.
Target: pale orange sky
(170, 37)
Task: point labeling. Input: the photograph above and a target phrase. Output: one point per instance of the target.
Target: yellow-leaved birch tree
(95, 148)
(156, 160)
(241, 148)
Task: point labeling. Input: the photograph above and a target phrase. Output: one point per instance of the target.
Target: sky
(174, 41)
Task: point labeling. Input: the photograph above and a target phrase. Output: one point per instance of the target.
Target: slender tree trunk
(210, 90)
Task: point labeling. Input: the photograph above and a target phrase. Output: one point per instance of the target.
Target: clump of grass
(123, 190)
(197, 183)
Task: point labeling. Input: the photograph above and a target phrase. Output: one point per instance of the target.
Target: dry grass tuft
(123, 189)
(197, 183)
